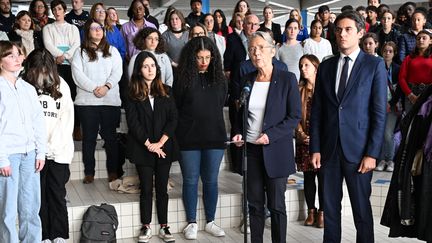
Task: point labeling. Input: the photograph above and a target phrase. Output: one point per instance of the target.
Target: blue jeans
(387, 152)
(204, 163)
(20, 193)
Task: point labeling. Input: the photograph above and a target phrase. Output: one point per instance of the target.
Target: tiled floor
(297, 233)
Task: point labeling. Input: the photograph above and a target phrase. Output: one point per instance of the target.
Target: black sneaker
(166, 235)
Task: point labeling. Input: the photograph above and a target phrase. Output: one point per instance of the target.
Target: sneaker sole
(166, 240)
(143, 241)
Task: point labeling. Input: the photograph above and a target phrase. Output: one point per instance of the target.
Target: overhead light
(321, 4)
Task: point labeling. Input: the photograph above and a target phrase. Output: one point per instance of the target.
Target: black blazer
(282, 115)
(145, 123)
(37, 38)
(277, 33)
(235, 53)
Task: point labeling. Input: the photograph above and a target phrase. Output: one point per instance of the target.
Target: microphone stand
(244, 154)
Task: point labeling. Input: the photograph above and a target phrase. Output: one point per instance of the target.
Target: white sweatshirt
(22, 127)
(59, 121)
(89, 75)
(61, 39)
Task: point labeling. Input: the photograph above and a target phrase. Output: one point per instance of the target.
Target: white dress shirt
(353, 56)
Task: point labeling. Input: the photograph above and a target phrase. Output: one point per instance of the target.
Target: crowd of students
(83, 67)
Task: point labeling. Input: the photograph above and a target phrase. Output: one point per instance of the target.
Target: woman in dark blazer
(152, 119)
(269, 24)
(273, 113)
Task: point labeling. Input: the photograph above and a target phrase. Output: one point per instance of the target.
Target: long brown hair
(138, 89)
(40, 71)
(90, 47)
(93, 15)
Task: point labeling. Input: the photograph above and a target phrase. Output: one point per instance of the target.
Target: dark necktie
(343, 78)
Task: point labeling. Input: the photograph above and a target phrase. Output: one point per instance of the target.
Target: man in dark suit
(347, 127)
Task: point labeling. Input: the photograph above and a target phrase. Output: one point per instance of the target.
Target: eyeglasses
(96, 28)
(152, 39)
(204, 59)
(260, 48)
(197, 34)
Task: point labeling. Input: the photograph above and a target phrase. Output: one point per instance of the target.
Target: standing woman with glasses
(96, 68)
(54, 96)
(22, 151)
(112, 33)
(200, 90)
(152, 118)
(273, 114)
(39, 12)
(150, 40)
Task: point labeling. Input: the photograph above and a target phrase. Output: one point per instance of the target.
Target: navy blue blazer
(358, 119)
(282, 115)
(245, 68)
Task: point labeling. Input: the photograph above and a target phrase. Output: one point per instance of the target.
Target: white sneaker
(214, 229)
(268, 222)
(190, 231)
(59, 240)
(46, 241)
(145, 234)
(390, 166)
(381, 165)
(247, 227)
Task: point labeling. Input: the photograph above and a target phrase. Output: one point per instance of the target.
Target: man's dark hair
(372, 8)
(323, 8)
(193, 1)
(353, 15)
(360, 8)
(347, 7)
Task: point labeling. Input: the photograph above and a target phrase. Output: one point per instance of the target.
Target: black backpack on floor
(99, 224)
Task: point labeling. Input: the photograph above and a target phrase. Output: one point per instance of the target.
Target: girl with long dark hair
(54, 95)
(96, 71)
(152, 118)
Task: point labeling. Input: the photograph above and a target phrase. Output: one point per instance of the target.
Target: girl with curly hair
(200, 91)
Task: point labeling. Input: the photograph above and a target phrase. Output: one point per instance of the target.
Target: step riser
(228, 212)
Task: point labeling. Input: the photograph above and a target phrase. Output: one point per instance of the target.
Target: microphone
(245, 93)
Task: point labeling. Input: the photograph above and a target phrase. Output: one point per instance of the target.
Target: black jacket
(277, 34)
(145, 123)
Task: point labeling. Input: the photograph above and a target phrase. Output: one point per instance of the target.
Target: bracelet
(108, 87)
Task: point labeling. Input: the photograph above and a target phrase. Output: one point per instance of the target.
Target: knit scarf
(26, 39)
(43, 20)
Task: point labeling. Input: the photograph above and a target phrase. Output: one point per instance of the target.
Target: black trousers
(310, 189)
(107, 119)
(53, 212)
(259, 185)
(161, 173)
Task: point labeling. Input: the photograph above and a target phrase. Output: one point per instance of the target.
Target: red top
(415, 71)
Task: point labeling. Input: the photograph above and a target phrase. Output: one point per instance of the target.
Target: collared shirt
(129, 30)
(353, 56)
